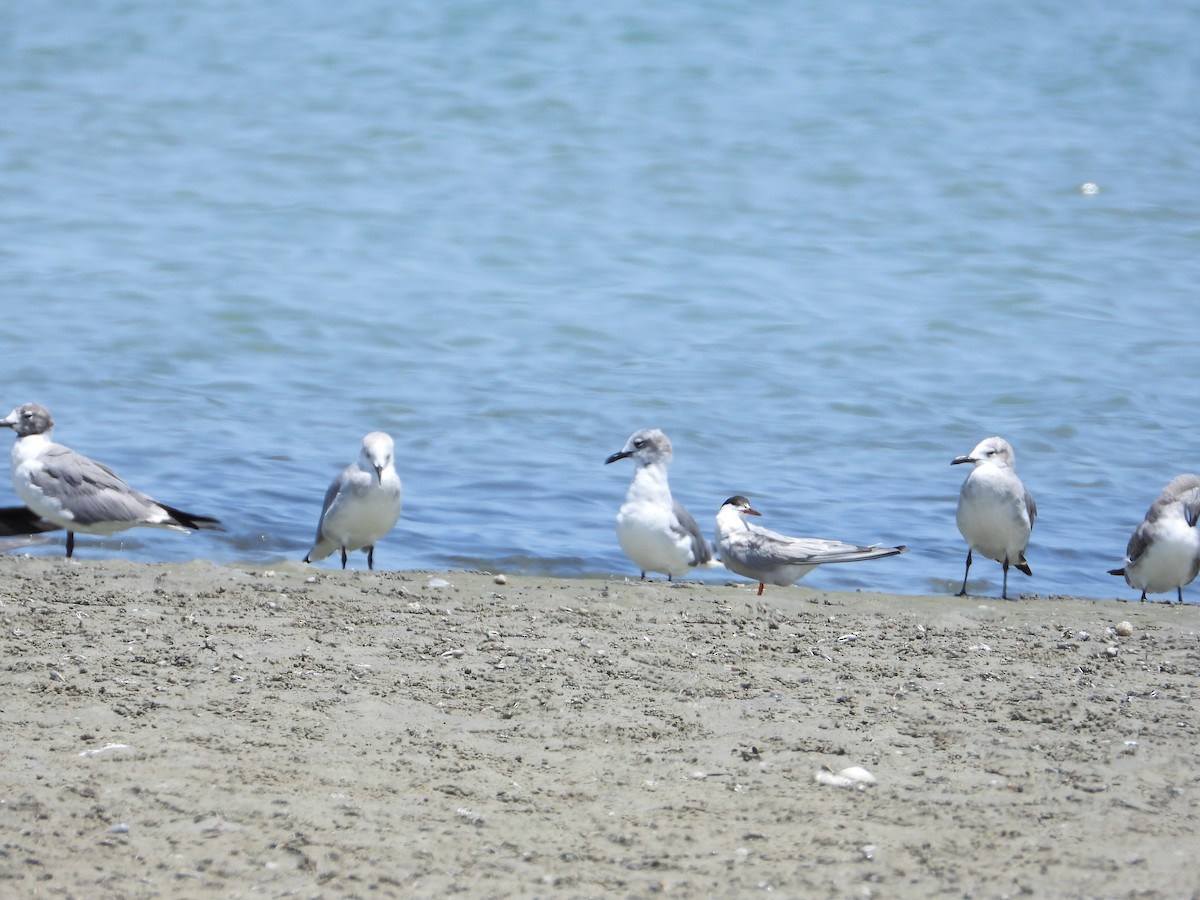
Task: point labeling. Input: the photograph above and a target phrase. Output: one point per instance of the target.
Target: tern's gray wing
(757, 550)
(90, 492)
(762, 550)
(768, 549)
(1031, 506)
(15, 520)
(701, 550)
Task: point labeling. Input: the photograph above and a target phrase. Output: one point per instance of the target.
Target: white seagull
(79, 494)
(1164, 551)
(654, 529)
(772, 558)
(995, 511)
(361, 505)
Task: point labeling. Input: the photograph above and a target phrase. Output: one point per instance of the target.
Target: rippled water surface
(826, 248)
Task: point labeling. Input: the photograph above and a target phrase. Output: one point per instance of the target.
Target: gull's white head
(377, 450)
(649, 445)
(1181, 484)
(1183, 493)
(28, 419)
(994, 451)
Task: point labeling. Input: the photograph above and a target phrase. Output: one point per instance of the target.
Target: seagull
(772, 558)
(653, 529)
(71, 491)
(995, 511)
(361, 505)
(1164, 551)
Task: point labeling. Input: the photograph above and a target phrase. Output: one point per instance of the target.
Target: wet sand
(197, 730)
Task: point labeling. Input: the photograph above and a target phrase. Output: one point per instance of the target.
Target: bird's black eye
(639, 443)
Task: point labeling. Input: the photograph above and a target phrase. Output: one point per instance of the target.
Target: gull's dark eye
(639, 443)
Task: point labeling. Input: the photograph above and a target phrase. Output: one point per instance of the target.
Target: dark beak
(958, 460)
(751, 511)
(616, 456)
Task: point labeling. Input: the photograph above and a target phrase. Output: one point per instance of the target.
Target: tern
(772, 558)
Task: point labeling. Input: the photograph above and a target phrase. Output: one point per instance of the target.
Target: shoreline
(714, 575)
(286, 729)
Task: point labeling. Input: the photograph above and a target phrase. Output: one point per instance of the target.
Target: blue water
(826, 247)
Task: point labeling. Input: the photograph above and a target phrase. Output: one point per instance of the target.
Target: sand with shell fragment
(197, 730)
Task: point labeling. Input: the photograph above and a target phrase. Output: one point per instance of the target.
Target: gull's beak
(962, 459)
(621, 455)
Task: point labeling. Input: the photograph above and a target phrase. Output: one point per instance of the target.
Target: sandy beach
(197, 730)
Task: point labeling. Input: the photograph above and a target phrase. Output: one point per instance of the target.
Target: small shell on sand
(1124, 629)
(854, 776)
(501, 579)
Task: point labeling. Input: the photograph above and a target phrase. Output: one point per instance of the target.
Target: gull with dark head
(772, 558)
(995, 511)
(361, 505)
(1164, 551)
(653, 528)
(79, 494)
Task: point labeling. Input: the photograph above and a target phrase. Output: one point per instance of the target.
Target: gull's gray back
(93, 493)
